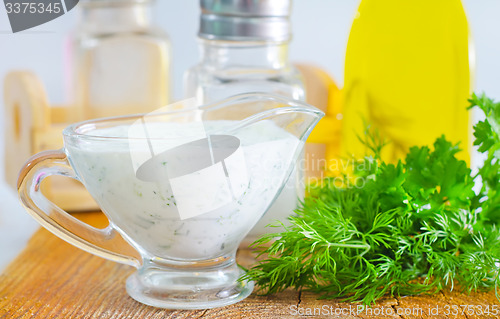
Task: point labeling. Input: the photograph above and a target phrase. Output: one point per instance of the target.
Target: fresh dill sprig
(412, 227)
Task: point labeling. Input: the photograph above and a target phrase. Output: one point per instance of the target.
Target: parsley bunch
(413, 227)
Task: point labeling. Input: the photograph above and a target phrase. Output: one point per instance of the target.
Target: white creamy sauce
(147, 211)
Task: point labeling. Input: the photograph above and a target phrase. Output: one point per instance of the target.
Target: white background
(320, 27)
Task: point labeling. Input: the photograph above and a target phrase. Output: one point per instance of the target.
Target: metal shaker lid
(112, 3)
(253, 8)
(245, 20)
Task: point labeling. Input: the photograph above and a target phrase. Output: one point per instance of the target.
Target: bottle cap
(252, 8)
(245, 20)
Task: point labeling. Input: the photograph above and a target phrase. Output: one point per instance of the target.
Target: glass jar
(231, 67)
(244, 48)
(122, 60)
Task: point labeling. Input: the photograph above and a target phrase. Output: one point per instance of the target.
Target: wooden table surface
(52, 279)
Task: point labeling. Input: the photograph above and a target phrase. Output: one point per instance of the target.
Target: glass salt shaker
(121, 60)
(244, 48)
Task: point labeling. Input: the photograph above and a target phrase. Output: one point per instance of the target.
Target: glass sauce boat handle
(106, 242)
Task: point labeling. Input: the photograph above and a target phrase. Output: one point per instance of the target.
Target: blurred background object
(244, 49)
(408, 75)
(121, 60)
(119, 64)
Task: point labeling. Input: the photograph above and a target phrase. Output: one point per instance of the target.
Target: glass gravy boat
(182, 186)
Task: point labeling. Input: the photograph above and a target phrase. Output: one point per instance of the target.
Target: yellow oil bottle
(408, 75)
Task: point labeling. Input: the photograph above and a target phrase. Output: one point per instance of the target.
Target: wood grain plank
(52, 279)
